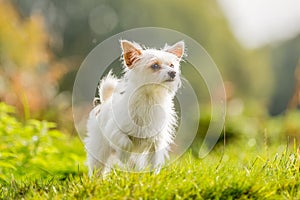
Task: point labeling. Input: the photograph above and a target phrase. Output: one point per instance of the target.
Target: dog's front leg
(120, 140)
(122, 145)
(158, 159)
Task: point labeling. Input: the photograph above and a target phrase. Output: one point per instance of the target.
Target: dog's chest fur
(149, 121)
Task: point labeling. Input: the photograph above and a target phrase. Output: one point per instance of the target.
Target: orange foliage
(28, 75)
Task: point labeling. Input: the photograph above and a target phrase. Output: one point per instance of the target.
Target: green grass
(39, 162)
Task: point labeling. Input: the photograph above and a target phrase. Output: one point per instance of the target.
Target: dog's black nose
(172, 74)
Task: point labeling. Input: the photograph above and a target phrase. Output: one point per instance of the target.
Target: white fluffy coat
(135, 123)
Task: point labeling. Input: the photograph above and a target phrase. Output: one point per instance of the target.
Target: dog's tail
(106, 87)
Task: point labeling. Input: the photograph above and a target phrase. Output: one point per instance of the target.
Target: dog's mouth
(169, 80)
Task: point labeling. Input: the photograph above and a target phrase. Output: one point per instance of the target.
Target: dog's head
(153, 66)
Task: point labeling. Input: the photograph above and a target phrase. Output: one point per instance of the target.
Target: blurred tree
(75, 27)
(28, 72)
(285, 57)
(78, 26)
(295, 100)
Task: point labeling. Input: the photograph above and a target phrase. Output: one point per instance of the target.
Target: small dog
(135, 121)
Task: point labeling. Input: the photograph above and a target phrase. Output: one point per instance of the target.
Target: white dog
(135, 122)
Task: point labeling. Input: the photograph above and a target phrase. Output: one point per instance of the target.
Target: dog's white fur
(135, 123)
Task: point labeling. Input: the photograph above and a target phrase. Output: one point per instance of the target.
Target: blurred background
(255, 44)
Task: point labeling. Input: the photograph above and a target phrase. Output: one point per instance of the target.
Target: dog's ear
(177, 49)
(131, 52)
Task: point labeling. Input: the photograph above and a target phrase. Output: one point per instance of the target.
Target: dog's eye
(171, 65)
(155, 66)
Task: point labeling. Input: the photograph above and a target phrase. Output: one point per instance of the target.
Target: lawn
(39, 162)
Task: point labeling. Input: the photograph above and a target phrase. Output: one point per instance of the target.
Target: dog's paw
(156, 170)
